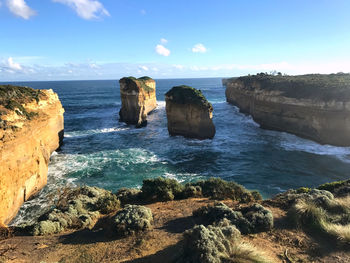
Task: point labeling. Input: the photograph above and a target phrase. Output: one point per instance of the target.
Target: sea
(100, 151)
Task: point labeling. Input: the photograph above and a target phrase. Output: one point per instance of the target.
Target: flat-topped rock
(138, 100)
(189, 113)
(315, 107)
(31, 128)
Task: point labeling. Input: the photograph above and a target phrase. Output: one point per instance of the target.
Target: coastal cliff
(138, 100)
(31, 128)
(315, 107)
(189, 113)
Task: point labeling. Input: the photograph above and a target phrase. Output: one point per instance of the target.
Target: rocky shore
(205, 221)
(31, 128)
(315, 107)
(138, 100)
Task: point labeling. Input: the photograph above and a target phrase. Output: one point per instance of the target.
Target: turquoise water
(98, 150)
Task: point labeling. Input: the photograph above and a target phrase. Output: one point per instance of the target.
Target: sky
(109, 39)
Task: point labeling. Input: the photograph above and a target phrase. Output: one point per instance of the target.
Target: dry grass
(245, 252)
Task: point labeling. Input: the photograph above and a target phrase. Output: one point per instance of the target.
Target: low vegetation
(132, 83)
(312, 86)
(12, 98)
(188, 95)
(218, 243)
(133, 219)
(251, 219)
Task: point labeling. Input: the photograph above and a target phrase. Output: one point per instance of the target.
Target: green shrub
(188, 95)
(128, 195)
(218, 189)
(161, 189)
(132, 83)
(132, 219)
(251, 219)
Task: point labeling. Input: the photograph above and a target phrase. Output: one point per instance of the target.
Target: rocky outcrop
(31, 128)
(316, 107)
(189, 113)
(138, 100)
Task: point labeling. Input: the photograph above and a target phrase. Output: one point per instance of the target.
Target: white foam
(92, 132)
(161, 104)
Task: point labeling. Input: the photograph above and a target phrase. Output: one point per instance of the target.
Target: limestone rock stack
(189, 113)
(138, 100)
(31, 128)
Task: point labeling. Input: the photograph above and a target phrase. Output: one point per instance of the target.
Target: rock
(138, 100)
(75, 209)
(133, 219)
(315, 107)
(31, 128)
(250, 219)
(189, 113)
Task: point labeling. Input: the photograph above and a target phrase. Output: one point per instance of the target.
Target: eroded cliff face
(305, 111)
(138, 100)
(31, 129)
(189, 113)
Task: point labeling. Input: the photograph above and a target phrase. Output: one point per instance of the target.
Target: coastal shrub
(128, 195)
(218, 189)
(250, 219)
(188, 95)
(161, 189)
(339, 188)
(132, 83)
(218, 244)
(132, 219)
(75, 209)
(191, 191)
(323, 215)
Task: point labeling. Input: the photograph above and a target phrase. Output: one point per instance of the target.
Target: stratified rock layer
(189, 113)
(31, 128)
(316, 107)
(138, 100)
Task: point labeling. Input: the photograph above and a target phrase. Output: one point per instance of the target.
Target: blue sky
(108, 39)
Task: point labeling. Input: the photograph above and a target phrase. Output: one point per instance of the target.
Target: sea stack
(315, 107)
(31, 128)
(138, 100)
(189, 113)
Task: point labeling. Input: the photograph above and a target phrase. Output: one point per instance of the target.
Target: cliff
(31, 128)
(189, 113)
(138, 100)
(315, 107)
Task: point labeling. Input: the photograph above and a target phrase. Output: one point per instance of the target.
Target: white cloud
(13, 65)
(143, 12)
(144, 68)
(179, 67)
(163, 41)
(20, 8)
(87, 9)
(199, 48)
(163, 51)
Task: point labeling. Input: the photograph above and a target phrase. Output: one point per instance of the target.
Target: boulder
(189, 113)
(138, 100)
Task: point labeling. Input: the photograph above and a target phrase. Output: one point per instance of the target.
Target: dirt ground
(164, 242)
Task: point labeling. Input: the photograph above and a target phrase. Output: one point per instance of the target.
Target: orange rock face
(138, 100)
(25, 149)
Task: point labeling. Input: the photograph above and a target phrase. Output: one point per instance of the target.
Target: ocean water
(100, 151)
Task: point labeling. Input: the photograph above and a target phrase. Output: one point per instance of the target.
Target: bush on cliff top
(12, 98)
(188, 95)
(312, 86)
(164, 189)
(132, 82)
(218, 243)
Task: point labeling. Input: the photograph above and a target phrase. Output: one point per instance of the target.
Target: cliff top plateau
(188, 95)
(134, 84)
(313, 86)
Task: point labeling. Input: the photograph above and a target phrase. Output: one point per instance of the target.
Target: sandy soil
(163, 243)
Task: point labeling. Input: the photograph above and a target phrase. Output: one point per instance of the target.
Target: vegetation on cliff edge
(312, 86)
(188, 95)
(132, 82)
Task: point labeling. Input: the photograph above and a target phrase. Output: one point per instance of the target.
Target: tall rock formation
(138, 100)
(31, 128)
(315, 106)
(189, 113)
